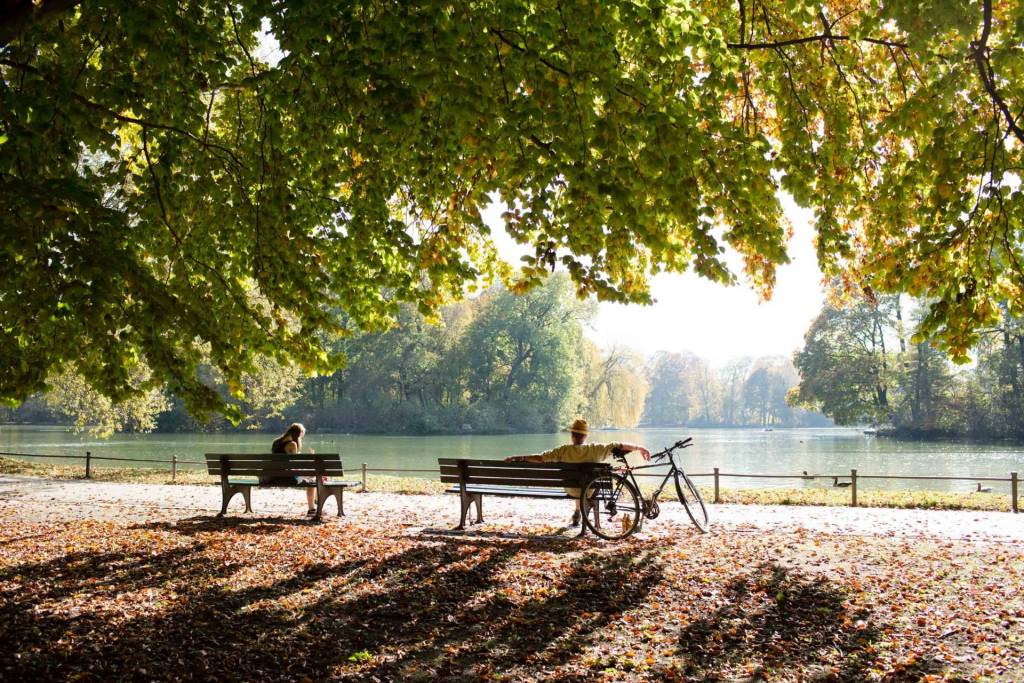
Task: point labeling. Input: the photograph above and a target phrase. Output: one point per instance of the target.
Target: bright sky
(715, 322)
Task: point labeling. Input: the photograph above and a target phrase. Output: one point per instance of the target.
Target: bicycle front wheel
(613, 506)
(692, 502)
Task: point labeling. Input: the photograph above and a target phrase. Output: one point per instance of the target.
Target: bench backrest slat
(274, 464)
(501, 473)
(274, 457)
(260, 472)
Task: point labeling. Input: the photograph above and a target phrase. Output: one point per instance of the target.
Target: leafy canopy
(170, 196)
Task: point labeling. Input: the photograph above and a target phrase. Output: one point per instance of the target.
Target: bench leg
(228, 492)
(323, 493)
(466, 501)
(225, 498)
(478, 498)
(338, 492)
(463, 509)
(589, 507)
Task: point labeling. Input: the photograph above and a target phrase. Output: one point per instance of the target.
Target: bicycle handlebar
(685, 443)
(661, 455)
(665, 453)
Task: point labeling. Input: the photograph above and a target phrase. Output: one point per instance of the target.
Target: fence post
(717, 499)
(364, 477)
(174, 466)
(853, 488)
(1013, 492)
(88, 464)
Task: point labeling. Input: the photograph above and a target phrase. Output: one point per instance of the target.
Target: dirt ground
(34, 499)
(102, 581)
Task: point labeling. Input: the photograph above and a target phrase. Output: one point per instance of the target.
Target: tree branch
(822, 38)
(19, 14)
(980, 53)
(96, 106)
(516, 46)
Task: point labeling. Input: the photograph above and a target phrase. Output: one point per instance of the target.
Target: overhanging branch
(123, 118)
(15, 16)
(980, 53)
(821, 38)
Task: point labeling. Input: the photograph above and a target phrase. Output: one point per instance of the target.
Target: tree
(925, 385)
(732, 376)
(844, 364)
(521, 358)
(765, 391)
(71, 398)
(615, 387)
(672, 377)
(995, 404)
(160, 178)
(847, 370)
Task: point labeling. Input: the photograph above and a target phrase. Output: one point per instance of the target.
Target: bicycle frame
(648, 504)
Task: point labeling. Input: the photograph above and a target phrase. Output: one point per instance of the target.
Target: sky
(710, 320)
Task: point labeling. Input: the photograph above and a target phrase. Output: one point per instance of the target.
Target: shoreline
(898, 435)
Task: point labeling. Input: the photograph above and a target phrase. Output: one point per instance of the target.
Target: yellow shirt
(588, 452)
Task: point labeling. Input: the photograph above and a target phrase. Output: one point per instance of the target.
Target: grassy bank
(138, 475)
(929, 500)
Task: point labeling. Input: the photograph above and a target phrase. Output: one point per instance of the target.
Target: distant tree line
(868, 361)
(497, 363)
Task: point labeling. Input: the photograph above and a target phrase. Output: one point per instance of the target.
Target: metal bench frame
(318, 465)
(473, 479)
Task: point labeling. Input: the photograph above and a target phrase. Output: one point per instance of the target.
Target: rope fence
(853, 476)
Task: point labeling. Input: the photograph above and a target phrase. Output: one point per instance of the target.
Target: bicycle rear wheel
(617, 505)
(692, 501)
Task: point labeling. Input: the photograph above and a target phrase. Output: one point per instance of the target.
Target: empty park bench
(474, 479)
(239, 472)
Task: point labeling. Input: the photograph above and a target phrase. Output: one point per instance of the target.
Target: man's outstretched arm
(630, 447)
(524, 458)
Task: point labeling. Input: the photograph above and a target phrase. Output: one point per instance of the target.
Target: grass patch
(840, 497)
(876, 498)
(139, 475)
(128, 475)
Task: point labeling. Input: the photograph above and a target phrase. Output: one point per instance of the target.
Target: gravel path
(36, 499)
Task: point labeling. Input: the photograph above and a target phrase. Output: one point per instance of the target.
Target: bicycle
(619, 505)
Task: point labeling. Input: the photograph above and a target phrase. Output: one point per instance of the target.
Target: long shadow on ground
(775, 619)
(440, 609)
(197, 526)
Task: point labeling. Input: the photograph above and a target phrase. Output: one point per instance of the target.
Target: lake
(828, 451)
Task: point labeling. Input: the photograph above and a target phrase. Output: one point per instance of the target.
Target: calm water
(783, 451)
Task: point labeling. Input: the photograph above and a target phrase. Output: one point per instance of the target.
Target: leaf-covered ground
(380, 598)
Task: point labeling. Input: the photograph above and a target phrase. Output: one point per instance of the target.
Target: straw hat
(579, 426)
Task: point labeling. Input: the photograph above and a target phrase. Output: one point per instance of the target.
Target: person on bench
(578, 451)
(291, 442)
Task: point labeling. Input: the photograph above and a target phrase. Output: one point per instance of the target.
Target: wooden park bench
(474, 479)
(239, 472)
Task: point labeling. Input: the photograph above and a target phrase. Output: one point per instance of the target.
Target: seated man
(578, 451)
